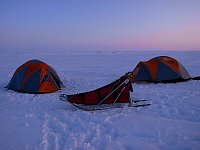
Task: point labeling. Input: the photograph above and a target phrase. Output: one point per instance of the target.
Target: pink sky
(100, 25)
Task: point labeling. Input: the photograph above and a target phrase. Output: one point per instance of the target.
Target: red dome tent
(162, 69)
(35, 76)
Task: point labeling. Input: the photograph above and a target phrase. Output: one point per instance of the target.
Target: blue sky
(100, 25)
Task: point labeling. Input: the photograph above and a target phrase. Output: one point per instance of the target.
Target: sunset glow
(81, 25)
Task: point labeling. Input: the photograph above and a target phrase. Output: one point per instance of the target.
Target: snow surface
(29, 121)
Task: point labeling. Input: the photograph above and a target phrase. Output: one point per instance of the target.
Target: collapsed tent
(35, 76)
(162, 69)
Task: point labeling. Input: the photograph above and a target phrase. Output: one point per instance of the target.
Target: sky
(99, 25)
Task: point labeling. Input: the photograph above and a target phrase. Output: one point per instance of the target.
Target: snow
(29, 121)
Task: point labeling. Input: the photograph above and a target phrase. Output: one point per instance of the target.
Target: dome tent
(162, 69)
(35, 76)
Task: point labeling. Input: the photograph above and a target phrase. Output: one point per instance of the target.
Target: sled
(113, 95)
(136, 103)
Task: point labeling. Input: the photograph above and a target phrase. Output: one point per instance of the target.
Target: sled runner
(113, 95)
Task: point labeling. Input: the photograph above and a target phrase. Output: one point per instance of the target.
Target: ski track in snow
(29, 121)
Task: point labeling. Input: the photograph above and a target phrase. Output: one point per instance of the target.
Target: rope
(125, 81)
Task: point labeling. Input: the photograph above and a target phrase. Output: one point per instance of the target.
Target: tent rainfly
(35, 76)
(162, 69)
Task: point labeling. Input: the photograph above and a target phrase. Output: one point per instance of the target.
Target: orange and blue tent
(35, 76)
(161, 69)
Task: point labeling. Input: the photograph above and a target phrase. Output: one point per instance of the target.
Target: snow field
(29, 121)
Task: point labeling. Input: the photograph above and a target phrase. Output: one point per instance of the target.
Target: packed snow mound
(29, 121)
